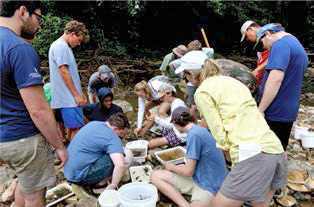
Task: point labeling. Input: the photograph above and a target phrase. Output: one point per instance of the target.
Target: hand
(136, 131)
(80, 101)
(62, 155)
(150, 117)
(169, 166)
(84, 97)
(254, 72)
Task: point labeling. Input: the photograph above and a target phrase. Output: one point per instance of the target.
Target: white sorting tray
(51, 191)
(140, 173)
(175, 161)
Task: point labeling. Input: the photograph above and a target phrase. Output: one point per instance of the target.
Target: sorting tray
(139, 149)
(175, 155)
(59, 187)
(140, 173)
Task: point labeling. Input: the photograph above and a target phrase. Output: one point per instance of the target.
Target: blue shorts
(72, 117)
(191, 92)
(98, 171)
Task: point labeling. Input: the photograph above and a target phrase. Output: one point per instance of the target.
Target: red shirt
(261, 58)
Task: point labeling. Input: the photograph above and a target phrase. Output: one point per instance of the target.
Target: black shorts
(282, 130)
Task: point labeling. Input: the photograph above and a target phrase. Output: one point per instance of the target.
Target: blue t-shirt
(90, 143)
(19, 68)
(286, 54)
(61, 54)
(210, 170)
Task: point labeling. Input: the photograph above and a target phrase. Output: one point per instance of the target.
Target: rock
(72, 200)
(80, 192)
(87, 202)
(8, 194)
(6, 175)
(70, 205)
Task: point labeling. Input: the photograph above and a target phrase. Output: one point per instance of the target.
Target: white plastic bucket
(109, 198)
(138, 195)
(308, 140)
(298, 131)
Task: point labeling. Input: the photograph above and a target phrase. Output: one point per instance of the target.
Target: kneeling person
(204, 171)
(96, 154)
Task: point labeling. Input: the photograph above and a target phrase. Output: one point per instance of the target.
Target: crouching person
(203, 172)
(96, 155)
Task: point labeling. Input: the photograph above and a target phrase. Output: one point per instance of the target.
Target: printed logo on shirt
(36, 74)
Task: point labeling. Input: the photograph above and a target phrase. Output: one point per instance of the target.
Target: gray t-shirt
(61, 54)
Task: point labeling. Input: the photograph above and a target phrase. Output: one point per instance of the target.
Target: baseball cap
(192, 60)
(268, 27)
(180, 50)
(177, 113)
(244, 27)
(104, 71)
(163, 89)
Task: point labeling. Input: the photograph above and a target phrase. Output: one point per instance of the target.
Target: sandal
(98, 187)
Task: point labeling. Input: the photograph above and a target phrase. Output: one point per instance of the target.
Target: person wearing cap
(258, 159)
(103, 78)
(281, 87)
(104, 109)
(204, 170)
(176, 53)
(171, 136)
(249, 31)
(66, 91)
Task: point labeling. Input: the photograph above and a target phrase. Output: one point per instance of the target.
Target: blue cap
(268, 27)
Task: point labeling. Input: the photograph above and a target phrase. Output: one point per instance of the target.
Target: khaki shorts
(251, 179)
(186, 185)
(32, 160)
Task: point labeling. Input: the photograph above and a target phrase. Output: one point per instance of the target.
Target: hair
(78, 28)
(143, 86)
(184, 119)
(194, 45)
(119, 120)
(254, 24)
(8, 7)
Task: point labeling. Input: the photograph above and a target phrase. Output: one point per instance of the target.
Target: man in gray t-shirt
(66, 92)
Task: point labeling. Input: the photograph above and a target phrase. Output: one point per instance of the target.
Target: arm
(43, 117)
(66, 77)
(92, 97)
(164, 122)
(112, 90)
(271, 89)
(119, 167)
(186, 169)
(258, 68)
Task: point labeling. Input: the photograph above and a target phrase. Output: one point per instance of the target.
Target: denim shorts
(72, 117)
(98, 171)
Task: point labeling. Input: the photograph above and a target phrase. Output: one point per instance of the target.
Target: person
(281, 87)
(148, 91)
(204, 170)
(105, 160)
(104, 109)
(249, 31)
(27, 123)
(66, 92)
(259, 162)
(170, 135)
(176, 53)
(104, 78)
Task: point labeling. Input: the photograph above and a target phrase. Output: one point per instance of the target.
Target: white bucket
(298, 131)
(138, 195)
(109, 198)
(308, 140)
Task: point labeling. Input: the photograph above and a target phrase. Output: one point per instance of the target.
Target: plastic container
(171, 153)
(58, 187)
(308, 140)
(139, 149)
(109, 198)
(138, 195)
(298, 131)
(140, 173)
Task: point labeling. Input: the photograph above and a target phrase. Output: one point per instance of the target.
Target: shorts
(282, 130)
(72, 117)
(172, 139)
(32, 160)
(186, 185)
(253, 178)
(58, 115)
(191, 92)
(98, 171)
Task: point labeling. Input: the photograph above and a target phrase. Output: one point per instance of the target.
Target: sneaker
(278, 194)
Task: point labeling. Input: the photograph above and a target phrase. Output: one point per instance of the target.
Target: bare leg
(35, 199)
(198, 204)
(266, 203)
(162, 179)
(157, 142)
(221, 201)
(19, 198)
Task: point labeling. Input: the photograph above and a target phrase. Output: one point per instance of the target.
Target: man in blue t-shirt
(204, 170)
(282, 83)
(26, 120)
(96, 155)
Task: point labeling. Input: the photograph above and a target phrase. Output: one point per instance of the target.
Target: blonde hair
(78, 28)
(143, 86)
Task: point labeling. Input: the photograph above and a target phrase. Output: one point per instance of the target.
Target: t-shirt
(61, 54)
(90, 143)
(210, 170)
(172, 76)
(96, 112)
(288, 55)
(19, 68)
(95, 83)
(47, 91)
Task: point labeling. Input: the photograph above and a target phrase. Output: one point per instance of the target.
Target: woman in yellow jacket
(226, 105)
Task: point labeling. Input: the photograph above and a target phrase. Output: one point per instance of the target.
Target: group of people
(252, 135)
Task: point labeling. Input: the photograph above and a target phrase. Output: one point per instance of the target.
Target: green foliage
(52, 29)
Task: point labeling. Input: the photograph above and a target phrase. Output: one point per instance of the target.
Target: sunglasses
(39, 17)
